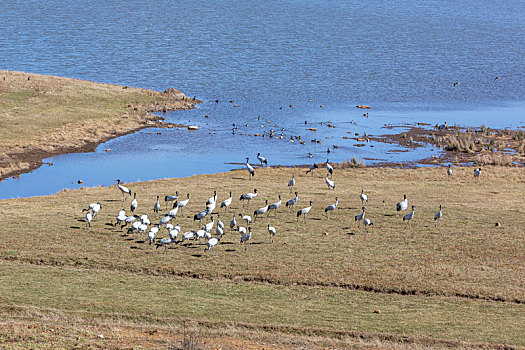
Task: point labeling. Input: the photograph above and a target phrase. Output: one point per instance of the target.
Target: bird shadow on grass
(257, 243)
(134, 247)
(225, 243)
(81, 220)
(230, 250)
(388, 215)
(113, 200)
(109, 224)
(75, 227)
(316, 219)
(139, 242)
(196, 255)
(351, 233)
(238, 178)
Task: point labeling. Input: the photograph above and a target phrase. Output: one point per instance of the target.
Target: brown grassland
(42, 116)
(323, 283)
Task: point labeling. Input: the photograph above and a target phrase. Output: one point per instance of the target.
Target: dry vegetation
(41, 116)
(461, 284)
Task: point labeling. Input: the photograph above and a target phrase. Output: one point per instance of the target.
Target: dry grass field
(41, 116)
(323, 283)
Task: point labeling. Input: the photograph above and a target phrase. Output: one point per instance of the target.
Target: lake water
(400, 57)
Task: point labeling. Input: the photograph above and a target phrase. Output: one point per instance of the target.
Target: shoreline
(73, 136)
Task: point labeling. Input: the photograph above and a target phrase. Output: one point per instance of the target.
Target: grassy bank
(320, 281)
(41, 116)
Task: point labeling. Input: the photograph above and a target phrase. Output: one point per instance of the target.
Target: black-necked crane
(199, 216)
(358, 218)
(182, 204)
(292, 201)
(165, 242)
(241, 230)
(227, 202)
(121, 217)
(209, 225)
(248, 197)
(212, 199)
(123, 189)
(173, 212)
(311, 168)
(200, 234)
(246, 218)
(329, 168)
(212, 242)
(211, 207)
(219, 222)
(174, 233)
(329, 183)
(274, 206)
(95, 208)
(403, 205)
(262, 159)
(89, 217)
(245, 238)
(165, 220)
(438, 216)
(134, 203)
(142, 228)
(134, 226)
(188, 235)
(261, 212)
(367, 223)
(331, 207)
(129, 220)
(304, 211)
(171, 198)
(250, 168)
(233, 222)
(145, 220)
(156, 206)
(409, 216)
(291, 183)
(363, 197)
(477, 174)
(449, 172)
(272, 232)
(219, 231)
(152, 233)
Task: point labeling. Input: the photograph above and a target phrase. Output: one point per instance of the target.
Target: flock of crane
(143, 223)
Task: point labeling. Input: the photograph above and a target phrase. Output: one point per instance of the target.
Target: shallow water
(400, 57)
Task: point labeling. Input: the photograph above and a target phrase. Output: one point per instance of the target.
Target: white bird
(233, 222)
(151, 236)
(212, 242)
(164, 242)
(246, 218)
(219, 222)
(245, 238)
(201, 215)
(165, 219)
(211, 207)
(123, 189)
(200, 234)
(209, 225)
(227, 202)
(331, 207)
(128, 220)
(182, 204)
(154, 229)
(219, 231)
(171, 198)
(477, 174)
(291, 183)
(156, 206)
(262, 159)
(145, 220)
(134, 226)
(311, 168)
(304, 211)
(438, 216)
(360, 217)
(274, 206)
(241, 229)
(134, 203)
(402, 205)
(188, 235)
(292, 201)
(363, 196)
(250, 168)
(367, 223)
(409, 216)
(272, 232)
(89, 217)
(142, 228)
(121, 217)
(169, 227)
(248, 197)
(94, 207)
(174, 233)
(173, 212)
(449, 172)
(329, 168)
(261, 212)
(212, 199)
(329, 183)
